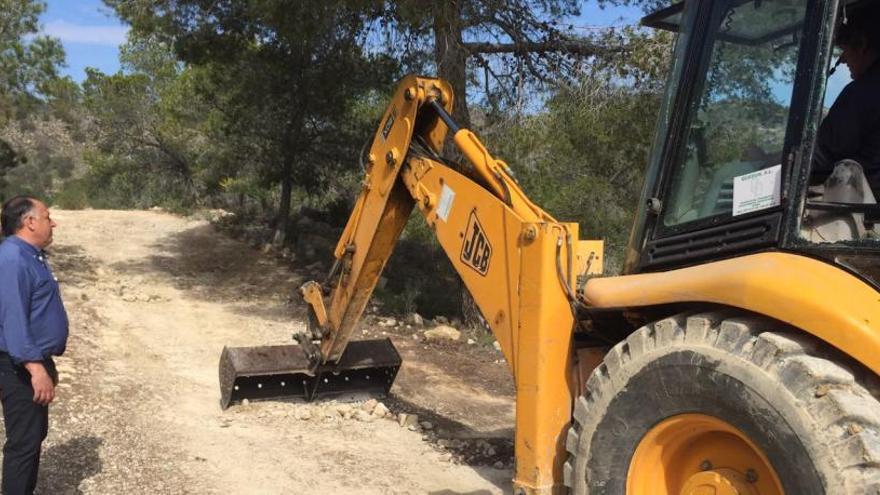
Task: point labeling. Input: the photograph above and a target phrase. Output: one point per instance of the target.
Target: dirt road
(153, 298)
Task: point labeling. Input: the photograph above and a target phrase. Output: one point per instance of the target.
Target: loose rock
(415, 319)
(370, 405)
(443, 333)
(364, 416)
(345, 410)
(408, 420)
(380, 411)
(387, 322)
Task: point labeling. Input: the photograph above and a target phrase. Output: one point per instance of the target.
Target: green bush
(73, 195)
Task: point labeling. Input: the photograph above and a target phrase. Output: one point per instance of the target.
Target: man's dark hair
(13, 213)
(861, 26)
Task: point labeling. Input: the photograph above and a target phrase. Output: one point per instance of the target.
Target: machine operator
(851, 130)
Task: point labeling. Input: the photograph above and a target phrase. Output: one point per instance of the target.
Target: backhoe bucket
(285, 372)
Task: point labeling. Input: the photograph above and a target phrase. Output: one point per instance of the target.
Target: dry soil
(154, 297)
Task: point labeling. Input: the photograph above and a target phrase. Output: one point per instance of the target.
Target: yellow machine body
(519, 263)
(522, 268)
(805, 293)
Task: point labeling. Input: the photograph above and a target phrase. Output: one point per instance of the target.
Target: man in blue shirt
(33, 328)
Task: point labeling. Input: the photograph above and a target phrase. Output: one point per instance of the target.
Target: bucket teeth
(286, 372)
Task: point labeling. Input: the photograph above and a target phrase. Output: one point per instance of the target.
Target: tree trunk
(451, 55)
(283, 219)
(451, 58)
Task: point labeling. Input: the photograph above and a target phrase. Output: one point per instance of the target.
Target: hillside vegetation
(261, 109)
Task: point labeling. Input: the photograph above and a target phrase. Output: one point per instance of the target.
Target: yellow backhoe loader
(739, 351)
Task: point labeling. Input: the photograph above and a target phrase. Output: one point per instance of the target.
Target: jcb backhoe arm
(520, 265)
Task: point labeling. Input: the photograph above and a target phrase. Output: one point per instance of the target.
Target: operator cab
(735, 168)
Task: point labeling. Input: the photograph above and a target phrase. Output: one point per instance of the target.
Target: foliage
(583, 158)
(28, 63)
(280, 78)
(45, 155)
(262, 107)
(32, 152)
(504, 49)
(145, 136)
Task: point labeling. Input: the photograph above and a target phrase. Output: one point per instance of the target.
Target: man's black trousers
(27, 424)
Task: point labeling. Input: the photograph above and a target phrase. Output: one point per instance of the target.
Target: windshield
(730, 164)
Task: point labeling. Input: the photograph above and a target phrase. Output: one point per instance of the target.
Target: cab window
(730, 163)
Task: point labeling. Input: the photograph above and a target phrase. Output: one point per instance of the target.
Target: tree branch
(577, 47)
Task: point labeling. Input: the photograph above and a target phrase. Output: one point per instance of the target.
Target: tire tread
(842, 413)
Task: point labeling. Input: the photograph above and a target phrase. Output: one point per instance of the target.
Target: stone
(345, 410)
(408, 420)
(442, 333)
(381, 411)
(364, 416)
(426, 425)
(498, 465)
(387, 322)
(370, 405)
(471, 341)
(497, 346)
(441, 320)
(446, 457)
(415, 319)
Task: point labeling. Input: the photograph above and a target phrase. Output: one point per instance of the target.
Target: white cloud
(89, 35)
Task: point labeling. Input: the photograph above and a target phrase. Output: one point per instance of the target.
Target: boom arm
(518, 262)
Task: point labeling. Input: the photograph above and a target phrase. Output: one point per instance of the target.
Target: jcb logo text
(476, 251)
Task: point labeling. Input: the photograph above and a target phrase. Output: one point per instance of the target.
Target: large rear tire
(723, 401)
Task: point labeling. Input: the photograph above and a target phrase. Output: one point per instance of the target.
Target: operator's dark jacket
(851, 130)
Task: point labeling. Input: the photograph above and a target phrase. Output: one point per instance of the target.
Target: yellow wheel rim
(696, 454)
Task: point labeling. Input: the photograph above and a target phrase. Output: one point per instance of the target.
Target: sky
(91, 33)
